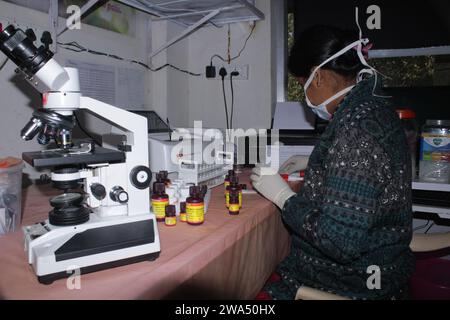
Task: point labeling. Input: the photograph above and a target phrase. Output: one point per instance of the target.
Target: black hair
(316, 44)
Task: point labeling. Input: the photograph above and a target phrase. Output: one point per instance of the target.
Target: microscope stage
(55, 158)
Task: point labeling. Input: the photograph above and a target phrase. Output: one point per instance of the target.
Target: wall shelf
(189, 12)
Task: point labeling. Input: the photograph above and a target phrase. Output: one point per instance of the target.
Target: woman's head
(315, 45)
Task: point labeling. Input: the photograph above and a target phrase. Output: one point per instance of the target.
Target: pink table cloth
(228, 257)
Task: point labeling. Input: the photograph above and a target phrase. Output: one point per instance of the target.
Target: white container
(11, 198)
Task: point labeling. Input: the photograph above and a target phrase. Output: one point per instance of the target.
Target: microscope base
(50, 278)
(60, 252)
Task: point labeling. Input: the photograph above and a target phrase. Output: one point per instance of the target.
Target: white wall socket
(242, 69)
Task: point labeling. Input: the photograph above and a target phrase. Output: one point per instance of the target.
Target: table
(228, 257)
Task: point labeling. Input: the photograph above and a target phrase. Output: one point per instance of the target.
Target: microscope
(102, 218)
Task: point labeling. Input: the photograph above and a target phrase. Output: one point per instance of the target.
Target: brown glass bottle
(228, 179)
(234, 207)
(183, 215)
(234, 186)
(171, 216)
(195, 207)
(159, 201)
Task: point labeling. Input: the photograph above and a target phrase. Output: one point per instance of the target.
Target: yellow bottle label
(195, 212)
(226, 184)
(159, 208)
(240, 199)
(183, 217)
(227, 199)
(234, 207)
(171, 221)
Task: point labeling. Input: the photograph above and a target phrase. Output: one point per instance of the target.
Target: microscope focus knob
(117, 194)
(98, 191)
(140, 177)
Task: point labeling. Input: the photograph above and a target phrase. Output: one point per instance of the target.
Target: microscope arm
(135, 129)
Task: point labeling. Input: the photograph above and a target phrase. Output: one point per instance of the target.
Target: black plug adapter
(223, 72)
(234, 73)
(210, 71)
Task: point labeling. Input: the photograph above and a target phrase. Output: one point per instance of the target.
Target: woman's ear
(318, 78)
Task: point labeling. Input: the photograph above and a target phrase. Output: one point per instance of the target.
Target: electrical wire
(426, 231)
(229, 44)
(225, 101)
(232, 100)
(85, 131)
(423, 226)
(76, 47)
(240, 51)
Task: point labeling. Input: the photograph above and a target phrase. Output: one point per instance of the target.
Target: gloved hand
(271, 185)
(294, 164)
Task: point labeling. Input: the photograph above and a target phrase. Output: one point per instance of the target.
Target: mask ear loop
(375, 72)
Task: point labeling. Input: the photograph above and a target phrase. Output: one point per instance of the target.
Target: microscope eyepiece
(18, 47)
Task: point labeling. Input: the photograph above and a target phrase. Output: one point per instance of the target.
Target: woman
(353, 215)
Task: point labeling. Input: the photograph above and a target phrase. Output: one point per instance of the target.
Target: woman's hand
(270, 184)
(294, 164)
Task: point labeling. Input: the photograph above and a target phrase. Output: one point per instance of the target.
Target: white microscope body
(121, 229)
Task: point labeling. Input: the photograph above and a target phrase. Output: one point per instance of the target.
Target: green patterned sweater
(354, 210)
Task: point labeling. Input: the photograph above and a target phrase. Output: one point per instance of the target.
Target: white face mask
(321, 109)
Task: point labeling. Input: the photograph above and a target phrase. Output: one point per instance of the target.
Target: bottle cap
(406, 113)
(234, 180)
(164, 174)
(183, 207)
(194, 190)
(170, 211)
(160, 187)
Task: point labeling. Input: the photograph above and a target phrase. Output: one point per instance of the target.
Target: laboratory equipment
(120, 228)
(435, 152)
(181, 151)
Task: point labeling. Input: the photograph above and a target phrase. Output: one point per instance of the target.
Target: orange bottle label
(183, 217)
(159, 208)
(195, 212)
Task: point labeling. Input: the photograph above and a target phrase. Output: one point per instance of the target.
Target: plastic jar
(408, 118)
(435, 152)
(10, 194)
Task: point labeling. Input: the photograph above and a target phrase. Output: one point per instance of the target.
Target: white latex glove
(271, 185)
(294, 164)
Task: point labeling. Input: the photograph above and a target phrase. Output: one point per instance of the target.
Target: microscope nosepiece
(31, 129)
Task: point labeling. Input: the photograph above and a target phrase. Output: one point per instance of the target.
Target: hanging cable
(76, 47)
(223, 73)
(240, 51)
(234, 73)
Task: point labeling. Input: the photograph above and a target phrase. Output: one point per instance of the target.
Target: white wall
(186, 98)
(172, 94)
(19, 100)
